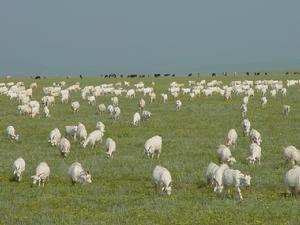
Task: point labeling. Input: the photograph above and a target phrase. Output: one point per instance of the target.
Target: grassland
(121, 192)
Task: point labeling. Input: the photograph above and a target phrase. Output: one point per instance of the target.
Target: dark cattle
(166, 74)
(286, 73)
(247, 73)
(296, 73)
(173, 75)
(132, 75)
(190, 74)
(121, 75)
(105, 76)
(113, 75)
(266, 73)
(37, 77)
(157, 75)
(213, 74)
(257, 73)
(80, 76)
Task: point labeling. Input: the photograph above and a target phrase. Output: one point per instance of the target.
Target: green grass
(121, 192)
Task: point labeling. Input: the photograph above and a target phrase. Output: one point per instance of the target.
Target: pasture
(121, 191)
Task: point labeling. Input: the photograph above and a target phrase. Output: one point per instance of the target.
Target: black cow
(157, 75)
(213, 74)
(81, 77)
(166, 74)
(190, 74)
(37, 77)
(173, 75)
(247, 73)
(132, 75)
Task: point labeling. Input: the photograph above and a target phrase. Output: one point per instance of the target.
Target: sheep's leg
(239, 192)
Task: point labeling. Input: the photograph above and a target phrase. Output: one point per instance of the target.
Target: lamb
(81, 132)
(231, 137)
(164, 97)
(110, 109)
(42, 174)
(92, 100)
(263, 101)
(11, 133)
(246, 125)
(286, 110)
(78, 174)
(101, 108)
(292, 180)
(224, 155)
(71, 131)
(64, 147)
(116, 113)
(93, 138)
(75, 106)
(292, 154)
(255, 153)
(153, 146)
(234, 178)
(244, 110)
(255, 136)
(136, 119)
(46, 111)
(100, 126)
(162, 177)
(54, 137)
(142, 104)
(18, 168)
(210, 172)
(115, 101)
(146, 115)
(110, 145)
(178, 104)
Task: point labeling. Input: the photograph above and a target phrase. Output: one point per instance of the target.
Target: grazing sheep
(92, 100)
(255, 153)
(210, 172)
(110, 145)
(231, 137)
(255, 136)
(81, 132)
(283, 91)
(42, 173)
(75, 106)
(130, 93)
(246, 125)
(110, 109)
(93, 138)
(101, 108)
(153, 146)
(273, 93)
(218, 177)
(178, 104)
(286, 110)
(136, 119)
(64, 147)
(142, 104)
(71, 131)
(292, 181)
(244, 110)
(11, 133)
(152, 96)
(18, 168)
(46, 111)
(162, 177)
(164, 97)
(100, 126)
(116, 113)
(35, 111)
(245, 100)
(224, 155)
(115, 101)
(54, 137)
(78, 174)
(263, 101)
(292, 154)
(146, 115)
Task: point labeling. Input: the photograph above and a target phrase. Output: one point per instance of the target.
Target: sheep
(115, 101)
(110, 109)
(292, 181)
(110, 145)
(136, 119)
(24, 109)
(100, 126)
(92, 100)
(246, 125)
(54, 137)
(42, 174)
(75, 106)
(255, 153)
(255, 136)
(130, 93)
(64, 147)
(153, 146)
(243, 110)
(71, 131)
(152, 96)
(178, 104)
(292, 154)
(283, 91)
(81, 132)
(93, 138)
(162, 177)
(164, 97)
(273, 93)
(46, 111)
(210, 172)
(146, 115)
(142, 104)
(231, 137)
(234, 178)
(18, 168)
(245, 100)
(78, 174)
(11, 133)
(101, 108)
(224, 155)
(116, 113)
(263, 101)
(217, 177)
(35, 111)
(286, 110)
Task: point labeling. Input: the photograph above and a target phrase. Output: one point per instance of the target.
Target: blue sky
(138, 36)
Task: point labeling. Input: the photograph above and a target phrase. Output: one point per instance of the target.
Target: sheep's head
(247, 180)
(218, 188)
(84, 144)
(35, 179)
(17, 137)
(231, 160)
(17, 174)
(86, 177)
(167, 189)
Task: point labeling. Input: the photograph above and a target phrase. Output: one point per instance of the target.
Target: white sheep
(142, 104)
(224, 155)
(292, 180)
(231, 137)
(292, 154)
(115, 101)
(116, 113)
(255, 136)
(153, 146)
(110, 146)
(162, 177)
(152, 96)
(110, 109)
(217, 180)
(136, 119)
(146, 115)
(81, 132)
(286, 110)
(164, 97)
(210, 172)
(178, 104)
(71, 131)
(92, 100)
(54, 137)
(246, 125)
(46, 111)
(18, 168)
(101, 108)
(64, 147)
(100, 126)
(255, 153)
(283, 91)
(245, 100)
(11, 133)
(78, 174)
(244, 110)
(75, 106)
(263, 101)
(93, 138)
(42, 174)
